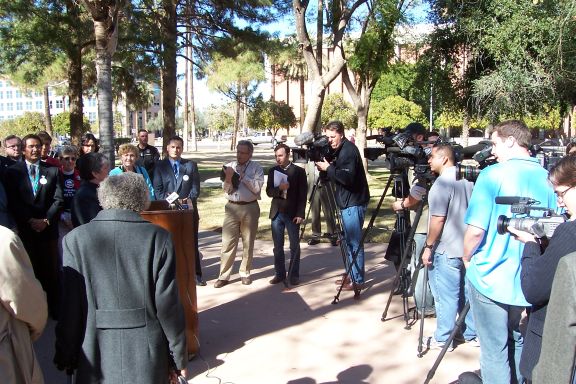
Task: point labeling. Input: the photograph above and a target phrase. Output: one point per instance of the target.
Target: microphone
(172, 199)
(304, 138)
(511, 200)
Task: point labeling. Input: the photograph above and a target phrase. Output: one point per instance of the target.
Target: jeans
(501, 342)
(419, 287)
(353, 221)
(447, 284)
(279, 222)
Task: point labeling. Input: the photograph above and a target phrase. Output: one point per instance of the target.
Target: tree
(339, 16)
(236, 78)
(394, 112)
(219, 118)
(61, 124)
(336, 108)
(29, 122)
(272, 115)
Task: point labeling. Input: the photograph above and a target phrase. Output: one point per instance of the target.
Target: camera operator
(493, 260)
(352, 195)
(417, 192)
(448, 199)
(538, 270)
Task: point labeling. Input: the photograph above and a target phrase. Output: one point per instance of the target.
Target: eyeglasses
(68, 158)
(561, 194)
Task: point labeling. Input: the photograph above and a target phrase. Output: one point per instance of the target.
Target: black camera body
(541, 227)
(318, 149)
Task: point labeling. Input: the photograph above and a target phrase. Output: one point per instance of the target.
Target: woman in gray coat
(121, 318)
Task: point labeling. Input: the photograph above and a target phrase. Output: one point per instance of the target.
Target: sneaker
(436, 345)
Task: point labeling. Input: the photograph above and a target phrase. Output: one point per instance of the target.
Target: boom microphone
(304, 138)
(511, 200)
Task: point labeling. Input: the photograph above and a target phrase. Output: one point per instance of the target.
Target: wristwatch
(429, 246)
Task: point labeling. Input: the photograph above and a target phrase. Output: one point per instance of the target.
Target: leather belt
(241, 202)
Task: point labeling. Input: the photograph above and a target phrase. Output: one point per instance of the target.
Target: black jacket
(536, 279)
(347, 174)
(85, 205)
(294, 205)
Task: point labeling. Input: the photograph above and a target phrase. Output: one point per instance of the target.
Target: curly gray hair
(127, 190)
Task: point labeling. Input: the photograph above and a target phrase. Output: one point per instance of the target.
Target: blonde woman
(128, 155)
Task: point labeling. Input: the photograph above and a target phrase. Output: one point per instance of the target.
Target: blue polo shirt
(494, 269)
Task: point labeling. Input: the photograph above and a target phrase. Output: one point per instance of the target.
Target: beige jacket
(23, 313)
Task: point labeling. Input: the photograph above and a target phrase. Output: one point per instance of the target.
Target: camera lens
(502, 225)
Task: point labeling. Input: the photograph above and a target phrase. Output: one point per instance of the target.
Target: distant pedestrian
(148, 154)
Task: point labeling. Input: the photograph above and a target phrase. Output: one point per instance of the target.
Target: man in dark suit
(287, 187)
(35, 198)
(175, 174)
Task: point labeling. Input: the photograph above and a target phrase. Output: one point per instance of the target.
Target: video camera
(547, 157)
(539, 226)
(482, 154)
(317, 148)
(401, 151)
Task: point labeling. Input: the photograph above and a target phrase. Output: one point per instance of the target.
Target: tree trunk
(47, 115)
(302, 102)
(75, 94)
(236, 119)
(192, 107)
(361, 131)
(465, 129)
(104, 90)
(169, 69)
(186, 105)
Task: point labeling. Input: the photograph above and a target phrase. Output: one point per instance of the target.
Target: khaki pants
(239, 220)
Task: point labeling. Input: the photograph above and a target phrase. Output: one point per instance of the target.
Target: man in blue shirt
(493, 260)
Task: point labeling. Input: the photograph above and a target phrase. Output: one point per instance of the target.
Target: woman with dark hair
(88, 144)
(93, 169)
(538, 269)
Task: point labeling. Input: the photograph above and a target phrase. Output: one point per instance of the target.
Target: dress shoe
(200, 282)
(246, 280)
(294, 281)
(350, 287)
(220, 283)
(276, 280)
(313, 241)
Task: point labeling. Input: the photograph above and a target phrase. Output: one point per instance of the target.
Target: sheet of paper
(279, 178)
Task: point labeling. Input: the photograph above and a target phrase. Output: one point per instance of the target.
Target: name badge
(185, 177)
(43, 180)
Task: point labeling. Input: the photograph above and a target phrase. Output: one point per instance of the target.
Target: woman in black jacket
(538, 269)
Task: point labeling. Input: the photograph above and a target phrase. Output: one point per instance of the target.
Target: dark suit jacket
(295, 203)
(24, 205)
(536, 277)
(85, 204)
(187, 185)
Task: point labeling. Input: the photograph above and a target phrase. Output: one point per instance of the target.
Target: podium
(182, 226)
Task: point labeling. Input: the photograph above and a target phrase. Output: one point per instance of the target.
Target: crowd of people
(57, 211)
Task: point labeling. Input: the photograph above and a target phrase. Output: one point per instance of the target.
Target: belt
(241, 202)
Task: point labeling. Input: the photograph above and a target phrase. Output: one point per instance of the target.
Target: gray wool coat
(121, 319)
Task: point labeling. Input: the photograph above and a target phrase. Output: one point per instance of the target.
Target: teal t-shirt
(494, 269)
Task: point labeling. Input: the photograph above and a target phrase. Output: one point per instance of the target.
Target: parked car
(265, 138)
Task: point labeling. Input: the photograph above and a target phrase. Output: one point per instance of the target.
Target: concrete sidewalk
(263, 334)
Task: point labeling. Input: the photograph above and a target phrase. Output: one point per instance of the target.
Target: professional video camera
(317, 148)
(539, 226)
(482, 154)
(547, 157)
(401, 151)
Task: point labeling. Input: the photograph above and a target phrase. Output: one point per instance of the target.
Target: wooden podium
(182, 226)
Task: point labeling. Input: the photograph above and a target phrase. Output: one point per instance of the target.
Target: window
(9, 106)
(1, 84)
(19, 106)
(39, 104)
(59, 104)
(18, 94)
(1, 94)
(92, 102)
(92, 117)
(1, 107)
(8, 94)
(37, 94)
(50, 104)
(50, 92)
(28, 105)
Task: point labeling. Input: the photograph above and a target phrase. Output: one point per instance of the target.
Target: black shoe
(200, 282)
(220, 283)
(313, 241)
(276, 280)
(294, 281)
(334, 241)
(246, 280)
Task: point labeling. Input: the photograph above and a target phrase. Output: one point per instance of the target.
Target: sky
(205, 97)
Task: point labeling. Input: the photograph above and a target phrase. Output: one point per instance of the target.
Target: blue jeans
(279, 222)
(447, 284)
(501, 342)
(353, 221)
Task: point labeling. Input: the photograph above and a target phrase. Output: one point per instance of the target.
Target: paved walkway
(262, 334)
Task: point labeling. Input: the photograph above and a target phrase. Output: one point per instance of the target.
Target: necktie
(176, 170)
(32, 171)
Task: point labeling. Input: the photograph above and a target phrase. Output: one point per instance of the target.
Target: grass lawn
(211, 202)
